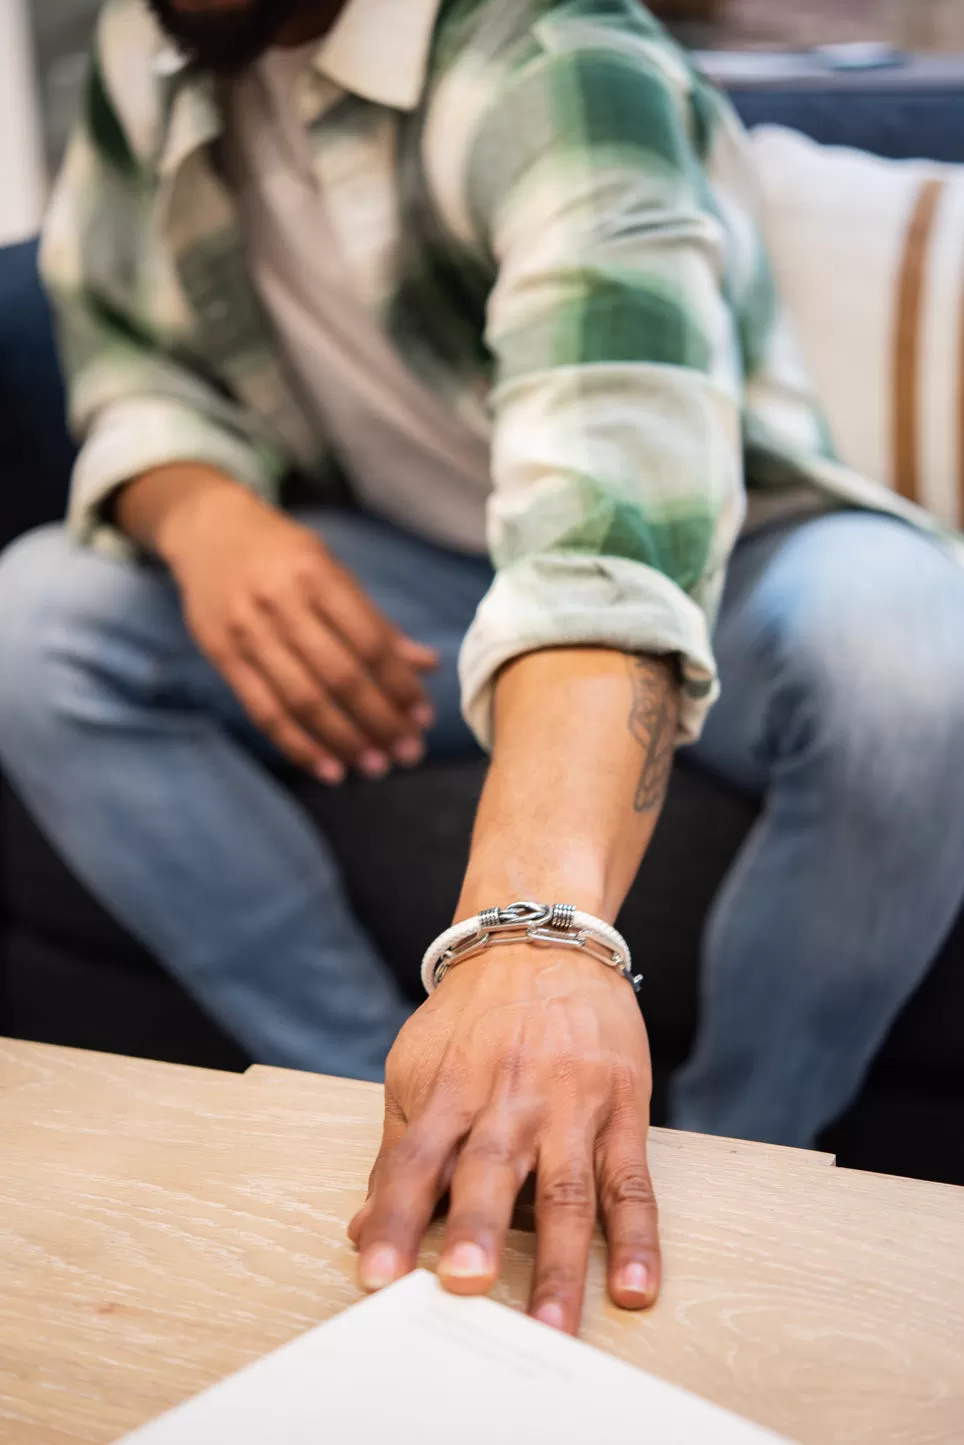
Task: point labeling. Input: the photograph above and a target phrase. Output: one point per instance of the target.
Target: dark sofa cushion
(889, 121)
(403, 845)
(35, 447)
(72, 976)
(57, 994)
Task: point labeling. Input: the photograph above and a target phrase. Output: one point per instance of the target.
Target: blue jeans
(141, 766)
(840, 648)
(841, 652)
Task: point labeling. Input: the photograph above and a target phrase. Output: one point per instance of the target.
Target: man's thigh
(105, 626)
(122, 619)
(851, 624)
(430, 593)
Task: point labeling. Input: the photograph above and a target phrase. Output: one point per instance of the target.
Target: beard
(227, 39)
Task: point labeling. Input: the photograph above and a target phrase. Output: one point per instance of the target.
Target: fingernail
(331, 773)
(374, 764)
(409, 752)
(466, 1261)
(379, 1267)
(423, 715)
(550, 1314)
(633, 1279)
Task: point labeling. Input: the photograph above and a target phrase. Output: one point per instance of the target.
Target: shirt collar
(379, 49)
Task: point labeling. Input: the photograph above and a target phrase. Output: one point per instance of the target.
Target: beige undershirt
(408, 456)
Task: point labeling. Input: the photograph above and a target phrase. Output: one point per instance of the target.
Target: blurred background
(43, 43)
(61, 27)
(764, 23)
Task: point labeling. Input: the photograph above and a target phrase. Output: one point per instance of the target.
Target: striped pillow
(869, 256)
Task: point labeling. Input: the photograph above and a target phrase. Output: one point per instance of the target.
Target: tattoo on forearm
(653, 722)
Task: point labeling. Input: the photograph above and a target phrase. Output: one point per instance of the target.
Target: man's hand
(528, 1058)
(319, 669)
(523, 1060)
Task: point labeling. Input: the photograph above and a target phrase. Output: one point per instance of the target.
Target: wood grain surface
(162, 1226)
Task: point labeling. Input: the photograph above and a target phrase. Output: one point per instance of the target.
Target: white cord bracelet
(556, 925)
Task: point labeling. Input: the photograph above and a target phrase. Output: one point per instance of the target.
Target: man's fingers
(565, 1221)
(392, 1131)
(357, 1224)
(425, 659)
(396, 676)
(302, 697)
(628, 1207)
(402, 679)
(268, 712)
(341, 603)
(409, 1182)
(344, 678)
(493, 1164)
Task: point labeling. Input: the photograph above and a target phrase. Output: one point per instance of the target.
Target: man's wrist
(162, 508)
(190, 513)
(527, 924)
(540, 886)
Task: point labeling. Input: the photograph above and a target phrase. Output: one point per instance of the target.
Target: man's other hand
(523, 1061)
(317, 667)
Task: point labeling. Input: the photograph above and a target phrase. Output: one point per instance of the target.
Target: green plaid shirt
(578, 248)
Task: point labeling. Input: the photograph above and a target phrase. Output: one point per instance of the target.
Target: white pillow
(869, 257)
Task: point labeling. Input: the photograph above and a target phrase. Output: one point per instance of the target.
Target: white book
(417, 1366)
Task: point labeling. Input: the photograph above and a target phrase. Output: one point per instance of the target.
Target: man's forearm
(536, 1059)
(584, 743)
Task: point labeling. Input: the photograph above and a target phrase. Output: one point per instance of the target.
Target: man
(498, 258)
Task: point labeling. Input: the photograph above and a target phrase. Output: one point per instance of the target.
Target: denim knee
(864, 632)
(28, 569)
(68, 621)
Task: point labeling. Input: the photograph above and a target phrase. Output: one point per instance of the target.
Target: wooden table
(162, 1226)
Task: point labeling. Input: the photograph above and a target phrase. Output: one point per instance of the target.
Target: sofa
(70, 975)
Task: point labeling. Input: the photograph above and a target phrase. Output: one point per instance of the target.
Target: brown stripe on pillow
(960, 427)
(910, 294)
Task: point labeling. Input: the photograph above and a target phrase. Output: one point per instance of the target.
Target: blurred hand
(317, 667)
(522, 1060)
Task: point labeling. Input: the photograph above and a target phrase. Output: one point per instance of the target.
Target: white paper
(417, 1366)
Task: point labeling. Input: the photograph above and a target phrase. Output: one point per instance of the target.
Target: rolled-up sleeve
(129, 437)
(617, 452)
(135, 402)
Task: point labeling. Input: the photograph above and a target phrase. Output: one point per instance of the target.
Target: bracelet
(556, 925)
